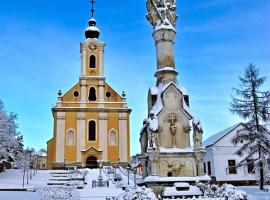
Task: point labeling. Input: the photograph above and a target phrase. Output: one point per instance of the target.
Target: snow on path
(89, 193)
(254, 193)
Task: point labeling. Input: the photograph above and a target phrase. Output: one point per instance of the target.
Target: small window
(250, 166)
(92, 131)
(232, 166)
(204, 168)
(92, 94)
(76, 94)
(108, 94)
(209, 168)
(92, 61)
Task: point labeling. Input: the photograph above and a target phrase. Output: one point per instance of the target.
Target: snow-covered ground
(254, 193)
(12, 179)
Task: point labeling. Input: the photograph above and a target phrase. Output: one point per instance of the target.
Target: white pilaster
(101, 61)
(83, 91)
(101, 91)
(123, 144)
(103, 140)
(84, 60)
(60, 138)
(80, 135)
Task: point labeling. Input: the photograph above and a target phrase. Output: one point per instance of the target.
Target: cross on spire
(93, 10)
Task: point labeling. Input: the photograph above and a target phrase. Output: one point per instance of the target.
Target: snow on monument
(166, 153)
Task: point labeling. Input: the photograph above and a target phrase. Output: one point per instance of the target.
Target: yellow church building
(91, 120)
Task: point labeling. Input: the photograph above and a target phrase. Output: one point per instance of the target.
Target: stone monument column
(162, 16)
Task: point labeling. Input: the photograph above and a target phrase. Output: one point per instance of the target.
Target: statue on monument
(197, 133)
(152, 128)
(161, 12)
(173, 128)
(144, 137)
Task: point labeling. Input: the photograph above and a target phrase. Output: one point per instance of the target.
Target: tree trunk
(261, 175)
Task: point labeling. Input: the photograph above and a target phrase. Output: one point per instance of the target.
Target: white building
(220, 159)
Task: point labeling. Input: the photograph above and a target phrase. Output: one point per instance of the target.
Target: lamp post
(128, 173)
(135, 183)
(30, 164)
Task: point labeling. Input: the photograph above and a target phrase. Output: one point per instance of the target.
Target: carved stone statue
(152, 129)
(197, 133)
(173, 128)
(161, 12)
(144, 137)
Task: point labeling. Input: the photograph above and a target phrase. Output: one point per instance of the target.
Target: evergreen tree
(252, 104)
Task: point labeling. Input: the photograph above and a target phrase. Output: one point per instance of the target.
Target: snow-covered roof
(216, 137)
(41, 153)
(154, 90)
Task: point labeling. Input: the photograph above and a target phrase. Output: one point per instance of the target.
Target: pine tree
(252, 104)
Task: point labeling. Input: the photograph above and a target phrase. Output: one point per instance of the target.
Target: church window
(92, 61)
(76, 94)
(113, 137)
(70, 138)
(232, 166)
(108, 94)
(92, 94)
(92, 131)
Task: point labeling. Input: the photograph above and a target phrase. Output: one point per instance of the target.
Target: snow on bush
(226, 190)
(58, 193)
(138, 193)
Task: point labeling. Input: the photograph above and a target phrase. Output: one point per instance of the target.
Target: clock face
(92, 46)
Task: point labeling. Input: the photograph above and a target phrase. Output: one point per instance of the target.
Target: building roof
(216, 137)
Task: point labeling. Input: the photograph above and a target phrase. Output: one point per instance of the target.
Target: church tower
(167, 155)
(91, 120)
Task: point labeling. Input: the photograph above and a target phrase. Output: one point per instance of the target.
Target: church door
(91, 162)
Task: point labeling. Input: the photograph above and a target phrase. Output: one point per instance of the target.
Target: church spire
(92, 30)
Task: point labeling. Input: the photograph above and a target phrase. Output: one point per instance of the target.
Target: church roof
(216, 137)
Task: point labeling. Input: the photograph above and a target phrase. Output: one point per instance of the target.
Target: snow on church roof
(214, 138)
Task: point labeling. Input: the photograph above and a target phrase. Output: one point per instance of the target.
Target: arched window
(92, 61)
(92, 94)
(70, 138)
(92, 131)
(113, 138)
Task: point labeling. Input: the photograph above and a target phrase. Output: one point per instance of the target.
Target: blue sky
(39, 54)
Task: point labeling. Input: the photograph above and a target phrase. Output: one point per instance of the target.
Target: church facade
(91, 120)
